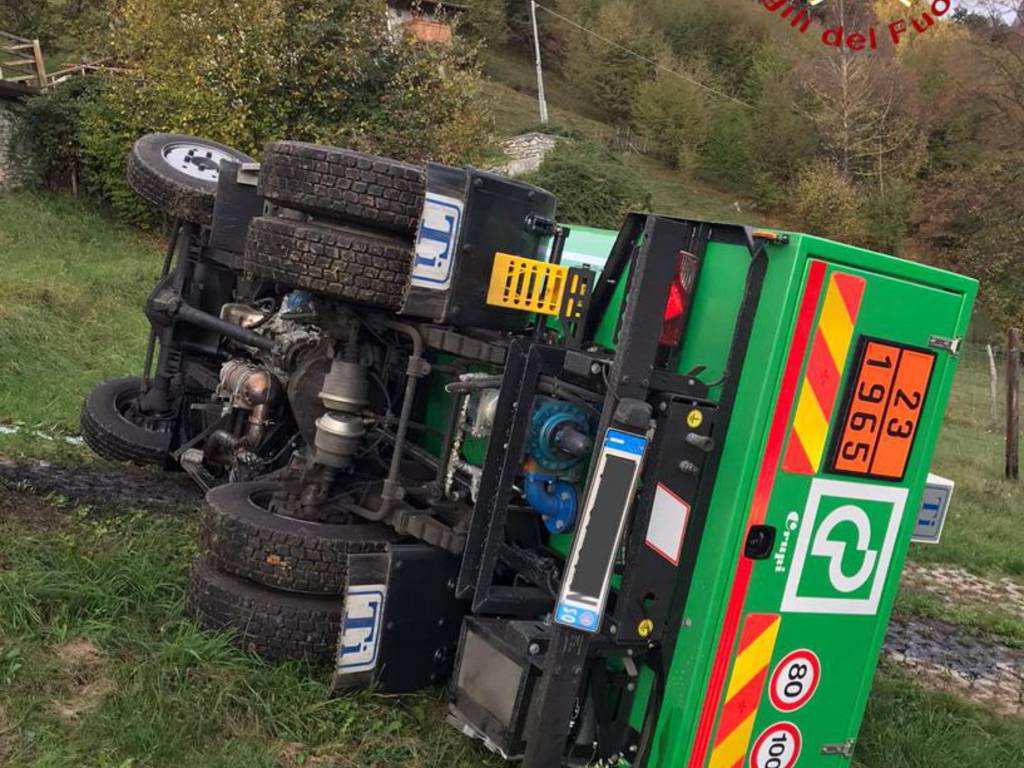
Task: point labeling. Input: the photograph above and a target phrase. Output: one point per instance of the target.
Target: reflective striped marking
(826, 360)
(745, 690)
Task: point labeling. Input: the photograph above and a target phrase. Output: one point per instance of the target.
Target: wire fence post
(993, 388)
(1012, 403)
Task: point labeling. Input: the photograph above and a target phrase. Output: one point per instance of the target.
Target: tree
(673, 114)
(604, 67)
(486, 20)
(973, 222)
(864, 108)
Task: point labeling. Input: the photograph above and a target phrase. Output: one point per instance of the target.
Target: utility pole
(540, 70)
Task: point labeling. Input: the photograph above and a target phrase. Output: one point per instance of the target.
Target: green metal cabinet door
(858, 404)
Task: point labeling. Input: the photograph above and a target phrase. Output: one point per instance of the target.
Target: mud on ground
(151, 490)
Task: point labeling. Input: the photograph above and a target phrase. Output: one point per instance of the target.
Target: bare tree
(864, 106)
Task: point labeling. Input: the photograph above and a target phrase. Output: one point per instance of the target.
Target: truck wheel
(113, 429)
(343, 184)
(178, 174)
(279, 626)
(240, 535)
(338, 263)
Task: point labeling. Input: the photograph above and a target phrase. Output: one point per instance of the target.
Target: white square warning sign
(668, 524)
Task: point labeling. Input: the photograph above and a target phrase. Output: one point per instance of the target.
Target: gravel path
(947, 657)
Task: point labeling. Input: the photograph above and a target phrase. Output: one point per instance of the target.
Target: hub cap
(196, 160)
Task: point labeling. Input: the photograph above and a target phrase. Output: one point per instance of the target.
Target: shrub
(245, 72)
(826, 203)
(50, 132)
(608, 75)
(593, 186)
(486, 20)
(727, 152)
(886, 214)
(672, 114)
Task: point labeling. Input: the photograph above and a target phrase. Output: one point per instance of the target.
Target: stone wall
(526, 152)
(9, 178)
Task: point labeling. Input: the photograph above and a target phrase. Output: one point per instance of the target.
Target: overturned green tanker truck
(637, 498)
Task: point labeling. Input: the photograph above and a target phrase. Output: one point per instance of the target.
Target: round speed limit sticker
(795, 680)
(777, 747)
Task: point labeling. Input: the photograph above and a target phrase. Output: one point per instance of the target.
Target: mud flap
(401, 623)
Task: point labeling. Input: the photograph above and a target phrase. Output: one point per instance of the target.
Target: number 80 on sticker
(795, 680)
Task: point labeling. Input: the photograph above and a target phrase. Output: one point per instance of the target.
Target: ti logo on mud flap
(360, 633)
(844, 547)
(436, 242)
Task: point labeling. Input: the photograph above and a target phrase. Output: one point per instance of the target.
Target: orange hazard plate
(881, 410)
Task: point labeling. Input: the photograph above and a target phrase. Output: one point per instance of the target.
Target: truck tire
(240, 535)
(339, 263)
(279, 626)
(110, 428)
(178, 174)
(342, 184)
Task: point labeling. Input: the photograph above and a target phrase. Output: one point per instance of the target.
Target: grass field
(72, 288)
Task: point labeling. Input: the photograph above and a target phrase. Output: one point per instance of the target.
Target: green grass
(515, 72)
(907, 726)
(984, 532)
(154, 690)
(73, 287)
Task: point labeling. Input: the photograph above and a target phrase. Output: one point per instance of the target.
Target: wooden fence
(21, 63)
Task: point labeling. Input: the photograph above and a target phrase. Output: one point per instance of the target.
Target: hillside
(513, 94)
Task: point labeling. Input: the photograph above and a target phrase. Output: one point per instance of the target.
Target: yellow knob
(645, 627)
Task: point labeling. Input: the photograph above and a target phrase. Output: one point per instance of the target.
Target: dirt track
(85, 484)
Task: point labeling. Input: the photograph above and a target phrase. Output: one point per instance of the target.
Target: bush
(672, 114)
(886, 214)
(608, 75)
(50, 132)
(593, 186)
(727, 152)
(28, 18)
(826, 203)
(245, 72)
(486, 20)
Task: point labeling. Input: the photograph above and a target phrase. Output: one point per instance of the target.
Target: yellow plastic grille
(527, 284)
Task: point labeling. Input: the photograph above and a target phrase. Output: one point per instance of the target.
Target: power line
(640, 56)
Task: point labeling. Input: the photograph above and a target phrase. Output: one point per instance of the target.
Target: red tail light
(679, 295)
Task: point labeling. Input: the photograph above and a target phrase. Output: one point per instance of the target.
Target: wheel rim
(197, 161)
(126, 405)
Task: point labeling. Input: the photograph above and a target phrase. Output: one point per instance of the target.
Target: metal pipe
(416, 369)
(197, 317)
(172, 245)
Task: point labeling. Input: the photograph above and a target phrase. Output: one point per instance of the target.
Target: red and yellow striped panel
(825, 363)
(746, 687)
